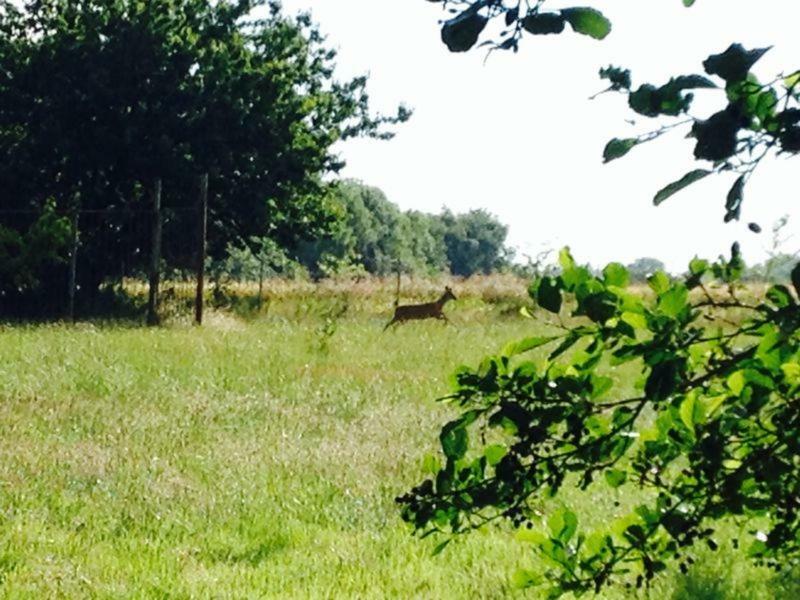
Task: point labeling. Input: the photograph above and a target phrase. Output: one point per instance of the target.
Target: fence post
(155, 255)
(73, 267)
(201, 249)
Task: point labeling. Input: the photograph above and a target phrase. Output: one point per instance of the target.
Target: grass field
(255, 459)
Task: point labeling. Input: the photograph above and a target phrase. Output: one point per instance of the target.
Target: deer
(429, 310)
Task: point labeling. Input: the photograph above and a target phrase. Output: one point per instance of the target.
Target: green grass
(241, 461)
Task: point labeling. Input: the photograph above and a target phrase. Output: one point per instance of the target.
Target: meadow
(259, 456)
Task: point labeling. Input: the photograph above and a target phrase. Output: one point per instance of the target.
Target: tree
(372, 232)
(475, 242)
(101, 98)
(709, 433)
(644, 267)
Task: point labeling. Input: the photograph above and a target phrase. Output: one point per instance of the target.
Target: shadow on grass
(723, 584)
(252, 555)
(701, 586)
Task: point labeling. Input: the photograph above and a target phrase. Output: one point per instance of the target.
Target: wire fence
(121, 242)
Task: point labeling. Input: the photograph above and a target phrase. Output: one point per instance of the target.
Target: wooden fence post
(201, 248)
(155, 255)
(73, 267)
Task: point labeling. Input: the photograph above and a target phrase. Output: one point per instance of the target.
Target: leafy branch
(701, 439)
(756, 121)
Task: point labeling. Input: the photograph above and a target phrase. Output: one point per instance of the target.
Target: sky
(517, 135)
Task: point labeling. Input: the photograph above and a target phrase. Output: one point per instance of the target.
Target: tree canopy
(99, 98)
(374, 234)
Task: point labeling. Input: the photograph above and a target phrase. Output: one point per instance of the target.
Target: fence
(129, 227)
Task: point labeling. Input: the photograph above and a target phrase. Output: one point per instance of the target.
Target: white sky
(519, 137)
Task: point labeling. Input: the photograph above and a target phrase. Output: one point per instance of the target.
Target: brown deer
(429, 310)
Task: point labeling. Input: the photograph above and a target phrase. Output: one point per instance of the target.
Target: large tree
(101, 98)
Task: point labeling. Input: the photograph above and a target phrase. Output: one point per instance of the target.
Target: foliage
(100, 98)
(260, 258)
(462, 31)
(642, 268)
(710, 435)
(756, 119)
(375, 234)
(475, 242)
(29, 254)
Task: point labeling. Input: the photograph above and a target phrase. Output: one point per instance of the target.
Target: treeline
(372, 235)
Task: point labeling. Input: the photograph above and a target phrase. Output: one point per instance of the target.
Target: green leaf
(527, 344)
(563, 524)
(599, 307)
(454, 440)
(733, 203)
(565, 259)
(431, 464)
(495, 453)
(733, 64)
(440, 547)
(673, 302)
(615, 274)
(635, 320)
(780, 296)
(692, 412)
(693, 82)
(658, 282)
(549, 295)
(461, 32)
(645, 100)
(543, 23)
(588, 21)
(688, 3)
(717, 136)
(615, 477)
(524, 579)
(736, 382)
(698, 266)
(617, 148)
(677, 186)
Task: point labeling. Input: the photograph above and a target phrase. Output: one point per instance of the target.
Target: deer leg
(390, 323)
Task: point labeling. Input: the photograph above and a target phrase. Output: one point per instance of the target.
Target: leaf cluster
(710, 433)
(755, 121)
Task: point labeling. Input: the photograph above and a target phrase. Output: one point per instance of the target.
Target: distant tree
(475, 242)
(373, 232)
(427, 242)
(644, 267)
